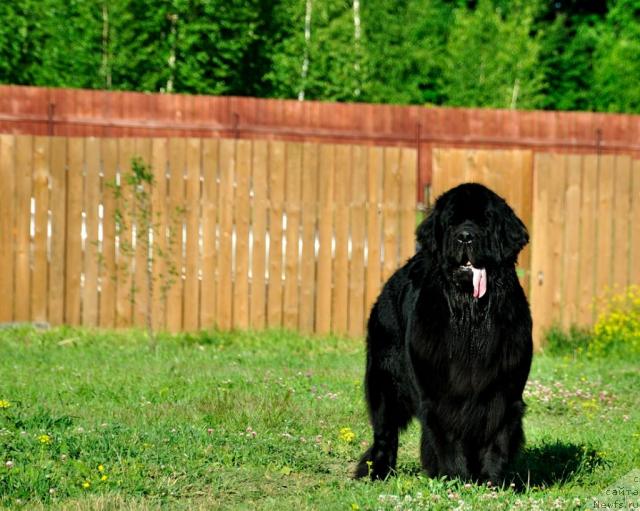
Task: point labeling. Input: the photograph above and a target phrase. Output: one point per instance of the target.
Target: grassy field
(96, 420)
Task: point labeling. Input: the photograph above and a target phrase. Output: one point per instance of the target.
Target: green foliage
(562, 342)
(405, 50)
(139, 232)
(492, 59)
(494, 53)
(617, 329)
(186, 46)
(48, 42)
(566, 53)
(617, 59)
(334, 59)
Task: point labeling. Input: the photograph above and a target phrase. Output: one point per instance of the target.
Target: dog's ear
(428, 232)
(514, 235)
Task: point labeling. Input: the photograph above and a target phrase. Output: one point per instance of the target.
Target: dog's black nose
(465, 237)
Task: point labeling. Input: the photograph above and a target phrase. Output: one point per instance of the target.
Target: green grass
(253, 421)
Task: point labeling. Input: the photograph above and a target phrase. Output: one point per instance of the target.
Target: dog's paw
(374, 470)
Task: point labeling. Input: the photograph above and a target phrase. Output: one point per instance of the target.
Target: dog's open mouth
(479, 279)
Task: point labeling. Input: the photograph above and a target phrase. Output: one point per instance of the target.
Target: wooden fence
(583, 213)
(286, 234)
(273, 233)
(70, 112)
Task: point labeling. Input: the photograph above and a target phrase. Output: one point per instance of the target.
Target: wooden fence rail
(272, 233)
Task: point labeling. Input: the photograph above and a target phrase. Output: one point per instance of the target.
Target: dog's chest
(468, 378)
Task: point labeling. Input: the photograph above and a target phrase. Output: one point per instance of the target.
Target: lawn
(97, 420)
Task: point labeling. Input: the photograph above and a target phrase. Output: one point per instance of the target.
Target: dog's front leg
(503, 447)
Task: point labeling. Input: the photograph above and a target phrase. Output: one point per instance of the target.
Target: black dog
(449, 342)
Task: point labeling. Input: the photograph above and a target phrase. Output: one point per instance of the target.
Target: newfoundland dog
(449, 342)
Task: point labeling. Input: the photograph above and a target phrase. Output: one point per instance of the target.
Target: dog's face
(470, 232)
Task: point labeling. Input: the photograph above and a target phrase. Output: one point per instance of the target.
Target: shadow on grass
(554, 463)
(541, 466)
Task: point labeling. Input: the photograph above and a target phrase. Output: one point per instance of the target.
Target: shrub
(617, 329)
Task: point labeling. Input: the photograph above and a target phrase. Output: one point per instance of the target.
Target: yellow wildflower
(44, 439)
(346, 435)
(100, 468)
(86, 484)
(4, 403)
(104, 478)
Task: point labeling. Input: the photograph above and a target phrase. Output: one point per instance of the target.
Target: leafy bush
(617, 329)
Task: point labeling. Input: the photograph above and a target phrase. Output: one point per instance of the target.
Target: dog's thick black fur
(449, 342)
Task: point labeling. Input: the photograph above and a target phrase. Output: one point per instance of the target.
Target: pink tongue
(479, 282)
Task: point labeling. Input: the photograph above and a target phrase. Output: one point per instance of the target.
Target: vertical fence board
(525, 199)
(209, 228)
(375, 168)
(177, 161)
(292, 209)
(621, 223)
(159, 274)
(634, 256)
(358, 187)
(391, 196)
(23, 166)
(7, 219)
(225, 259)
(125, 294)
(39, 285)
(587, 251)
(73, 251)
(541, 248)
(325, 234)
(440, 172)
(108, 270)
(571, 248)
(258, 230)
(437, 173)
(242, 222)
(192, 242)
(276, 199)
(604, 223)
(91, 199)
(450, 168)
(58, 230)
(408, 182)
(341, 229)
(557, 184)
(309, 220)
(141, 277)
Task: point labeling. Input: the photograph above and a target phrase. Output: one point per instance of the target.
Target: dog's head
(471, 231)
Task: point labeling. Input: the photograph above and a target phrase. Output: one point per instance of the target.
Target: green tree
(492, 57)
(617, 60)
(335, 70)
(567, 57)
(193, 46)
(49, 42)
(215, 40)
(15, 51)
(139, 230)
(404, 44)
